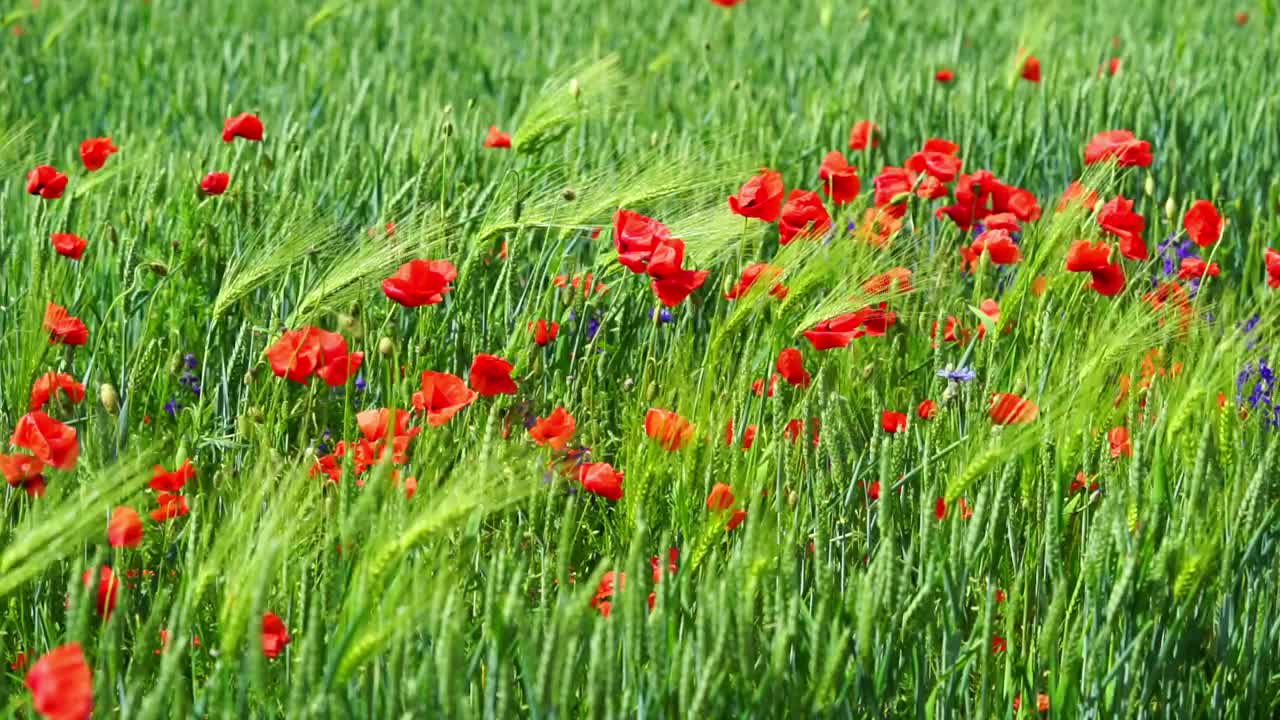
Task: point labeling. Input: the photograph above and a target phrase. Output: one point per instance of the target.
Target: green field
(1076, 513)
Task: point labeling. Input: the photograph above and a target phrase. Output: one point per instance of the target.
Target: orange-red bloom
(944, 76)
(1087, 257)
(95, 151)
(420, 282)
(46, 182)
(999, 246)
(24, 471)
(215, 183)
(300, 353)
(803, 215)
(52, 442)
(1118, 438)
(927, 410)
(937, 159)
(790, 366)
(1118, 218)
(246, 126)
(108, 586)
(64, 327)
(635, 237)
(125, 528)
(544, 332)
(1121, 145)
(863, 135)
(172, 481)
(1272, 260)
(274, 635)
(555, 430)
(1109, 280)
(1077, 194)
(670, 429)
(491, 375)
(495, 138)
(1203, 223)
(898, 277)
(601, 479)
(61, 684)
(68, 245)
(1031, 69)
(1009, 409)
(442, 396)
(1193, 268)
(841, 330)
(735, 520)
(839, 179)
(892, 421)
(720, 498)
(171, 506)
(760, 197)
(673, 288)
(49, 383)
(758, 271)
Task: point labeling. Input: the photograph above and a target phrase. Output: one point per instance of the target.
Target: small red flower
(997, 244)
(1031, 69)
(495, 138)
(108, 586)
(758, 387)
(171, 506)
(125, 528)
(246, 126)
(940, 508)
(1119, 440)
(937, 159)
(61, 684)
(24, 471)
(1078, 194)
(1121, 145)
(763, 272)
(670, 429)
(215, 183)
(892, 421)
(46, 182)
(1272, 260)
(49, 383)
(898, 278)
(491, 375)
(544, 332)
(601, 479)
(790, 366)
(420, 282)
(863, 135)
(1009, 409)
(275, 636)
(442, 396)
(50, 441)
(1110, 67)
(927, 410)
(1242, 19)
(720, 498)
(1193, 268)
(727, 3)
(803, 215)
(1109, 281)
(63, 327)
(998, 645)
(1203, 223)
(673, 288)
(843, 329)
(735, 520)
(839, 179)
(172, 481)
(1084, 256)
(68, 245)
(635, 237)
(554, 430)
(300, 353)
(1118, 218)
(95, 151)
(760, 197)
(944, 76)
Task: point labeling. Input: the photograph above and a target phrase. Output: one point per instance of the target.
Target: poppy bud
(867, 371)
(792, 497)
(651, 392)
(575, 89)
(628, 384)
(349, 323)
(1149, 186)
(251, 375)
(109, 398)
(386, 347)
(1170, 208)
(900, 198)
(569, 194)
(653, 139)
(158, 268)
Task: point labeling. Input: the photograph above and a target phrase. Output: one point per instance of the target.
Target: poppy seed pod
(900, 198)
(1170, 208)
(1149, 187)
(109, 398)
(386, 347)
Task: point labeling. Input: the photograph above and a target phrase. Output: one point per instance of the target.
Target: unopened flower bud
(109, 398)
(386, 346)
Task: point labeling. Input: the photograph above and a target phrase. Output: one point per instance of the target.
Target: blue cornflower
(960, 374)
(593, 327)
(189, 360)
(173, 406)
(664, 315)
(360, 383)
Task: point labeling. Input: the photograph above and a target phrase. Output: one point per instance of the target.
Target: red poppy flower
(495, 138)
(735, 520)
(927, 410)
(748, 435)
(998, 645)
(937, 159)
(1121, 145)
(841, 330)
(61, 684)
(601, 479)
(790, 366)
(167, 481)
(1203, 223)
(274, 635)
(944, 76)
(215, 183)
(635, 237)
(338, 370)
(998, 244)
(1242, 19)
(891, 185)
(420, 282)
(727, 3)
(442, 396)
(1078, 194)
(1009, 409)
(879, 224)
(49, 383)
(171, 506)
(554, 430)
(24, 471)
(108, 586)
(63, 327)
(95, 151)
(125, 528)
(1108, 281)
(544, 332)
(46, 182)
(1110, 67)
(1031, 69)
(309, 350)
(864, 134)
(666, 259)
(1193, 268)
(1272, 260)
(381, 423)
(940, 508)
(612, 581)
(892, 421)
(802, 216)
(1087, 257)
(720, 498)
(760, 197)
(758, 387)
(49, 440)
(491, 375)
(331, 464)
(1118, 218)
(839, 179)
(1118, 438)
(68, 245)
(670, 429)
(758, 271)
(898, 278)
(673, 288)
(245, 125)
(673, 556)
